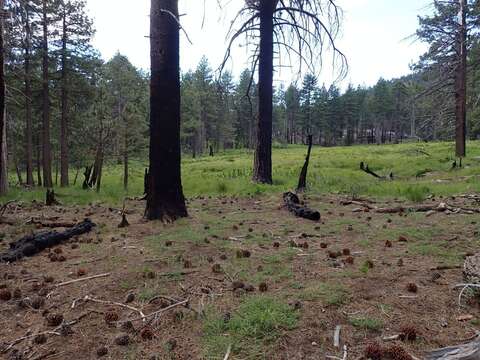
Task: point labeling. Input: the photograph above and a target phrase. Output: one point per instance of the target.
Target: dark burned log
(31, 245)
(364, 167)
(302, 181)
(469, 351)
(211, 150)
(292, 202)
(50, 198)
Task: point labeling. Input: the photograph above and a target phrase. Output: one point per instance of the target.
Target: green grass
(329, 294)
(253, 326)
(332, 170)
(366, 323)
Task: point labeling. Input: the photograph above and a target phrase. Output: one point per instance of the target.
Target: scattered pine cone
(54, 319)
(122, 340)
(323, 245)
(350, 260)
(147, 333)
(249, 288)
(5, 295)
(37, 302)
(412, 287)
(81, 272)
(223, 257)
(48, 279)
(409, 333)
(58, 250)
(369, 264)
(168, 243)
(40, 339)
(388, 244)
(276, 244)
(346, 252)
(111, 316)
(374, 351)
(263, 287)
(187, 264)
(217, 269)
(402, 238)
(397, 352)
(102, 351)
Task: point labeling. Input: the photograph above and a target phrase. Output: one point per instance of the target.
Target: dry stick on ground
(113, 303)
(5, 206)
(467, 351)
(336, 336)
(465, 287)
(442, 207)
(227, 355)
(82, 279)
(159, 311)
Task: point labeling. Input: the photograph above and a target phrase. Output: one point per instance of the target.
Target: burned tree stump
(124, 223)
(31, 245)
(292, 202)
(87, 174)
(211, 150)
(50, 198)
(302, 181)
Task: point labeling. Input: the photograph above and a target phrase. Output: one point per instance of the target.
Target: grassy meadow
(420, 169)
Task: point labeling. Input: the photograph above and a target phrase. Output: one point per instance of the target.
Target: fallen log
(469, 351)
(364, 167)
(292, 202)
(31, 245)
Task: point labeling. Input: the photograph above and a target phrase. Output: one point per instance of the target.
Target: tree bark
(461, 83)
(46, 146)
(262, 170)
(28, 98)
(165, 199)
(3, 118)
(64, 117)
(125, 158)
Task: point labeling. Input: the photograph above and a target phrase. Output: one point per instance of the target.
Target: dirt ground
(374, 274)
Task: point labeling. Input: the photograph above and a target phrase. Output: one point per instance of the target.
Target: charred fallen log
(364, 167)
(292, 202)
(31, 245)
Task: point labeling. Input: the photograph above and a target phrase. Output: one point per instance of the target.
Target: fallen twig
(113, 303)
(82, 279)
(227, 355)
(160, 311)
(336, 336)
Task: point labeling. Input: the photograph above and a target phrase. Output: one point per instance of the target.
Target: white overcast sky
(374, 36)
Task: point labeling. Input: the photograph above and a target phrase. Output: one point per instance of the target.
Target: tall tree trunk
(39, 162)
(262, 170)
(64, 117)
(46, 146)
(28, 98)
(461, 82)
(125, 158)
(3, 118)
(165, 199)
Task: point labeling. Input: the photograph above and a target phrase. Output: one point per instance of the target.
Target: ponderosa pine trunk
(262, 170)
(125, 157)
(28, 98)
(3, 118)
(165, 199)
(64, 116)
(461, 83)
(46, 146)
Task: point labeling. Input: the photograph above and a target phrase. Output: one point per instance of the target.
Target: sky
(376, 36)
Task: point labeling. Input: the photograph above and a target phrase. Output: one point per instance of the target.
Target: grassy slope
(332, 170)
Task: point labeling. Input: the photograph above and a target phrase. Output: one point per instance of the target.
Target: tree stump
(50, 198)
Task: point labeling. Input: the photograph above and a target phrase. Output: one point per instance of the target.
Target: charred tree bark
(461, 83)
(28, 99)
(50, 198)
(46, 146)
(3, 118)
(33, 244)
(165, 199)
(262, 170)
(302, 181)
(64, 116)
(292, 202)
(87, 173)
